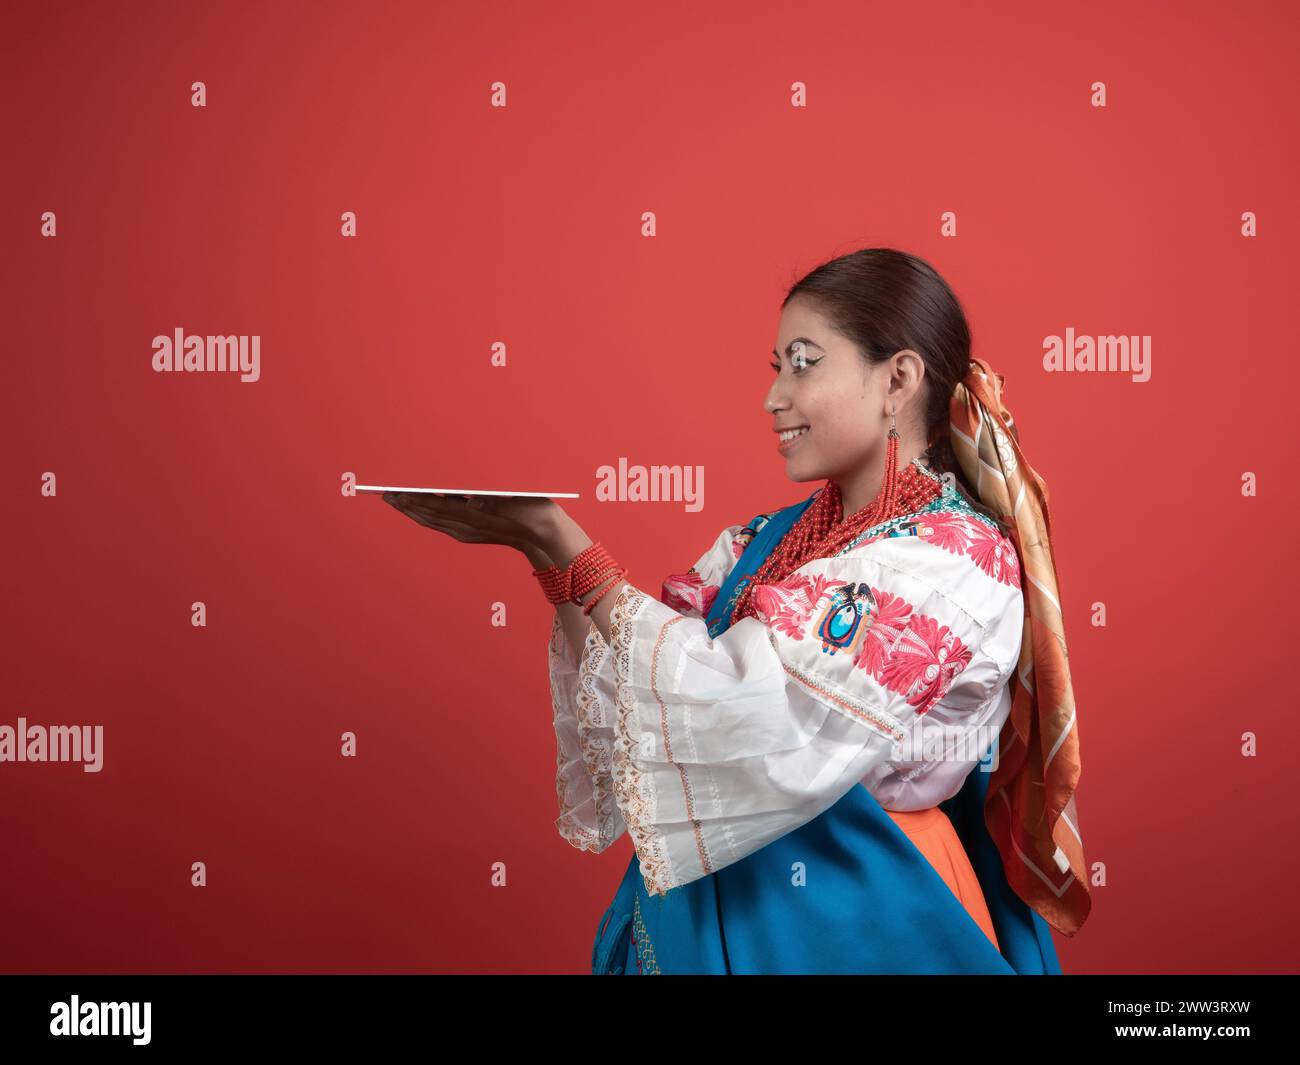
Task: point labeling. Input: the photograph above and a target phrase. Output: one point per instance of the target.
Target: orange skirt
(933, 835)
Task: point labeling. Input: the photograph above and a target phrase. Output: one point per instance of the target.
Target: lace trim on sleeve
(635, 793)
(572, 782)
(595, 726)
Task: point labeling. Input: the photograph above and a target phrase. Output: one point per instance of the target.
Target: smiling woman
(794, 711)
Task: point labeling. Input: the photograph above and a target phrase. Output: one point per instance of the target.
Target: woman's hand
(521, 522)
(537, 526)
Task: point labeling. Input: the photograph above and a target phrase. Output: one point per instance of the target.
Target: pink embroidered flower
(960, 534)
(994, 554)
(687, 593)
(885, 629)
(946, 529)
(925, 662)
(906, 651)
(787, 606)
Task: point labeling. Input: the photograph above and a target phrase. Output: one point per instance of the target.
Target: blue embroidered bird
(842, 619)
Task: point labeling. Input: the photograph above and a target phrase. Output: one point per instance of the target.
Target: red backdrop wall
(523, 225)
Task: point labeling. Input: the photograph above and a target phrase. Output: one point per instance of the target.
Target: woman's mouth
(790, 440)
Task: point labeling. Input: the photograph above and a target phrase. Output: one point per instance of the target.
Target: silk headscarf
(1029, 810)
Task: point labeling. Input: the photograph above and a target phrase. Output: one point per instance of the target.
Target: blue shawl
(872, 902)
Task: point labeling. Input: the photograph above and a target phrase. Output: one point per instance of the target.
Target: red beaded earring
(889, 487)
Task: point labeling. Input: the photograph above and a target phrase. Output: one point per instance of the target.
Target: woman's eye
(799, 361)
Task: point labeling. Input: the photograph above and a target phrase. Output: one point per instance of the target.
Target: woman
(798, 736)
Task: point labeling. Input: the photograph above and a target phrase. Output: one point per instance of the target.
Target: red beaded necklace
(822, 530)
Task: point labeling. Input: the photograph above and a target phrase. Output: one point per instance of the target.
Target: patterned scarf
(1029, 811)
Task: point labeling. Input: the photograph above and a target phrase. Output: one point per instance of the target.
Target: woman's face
(822, 381)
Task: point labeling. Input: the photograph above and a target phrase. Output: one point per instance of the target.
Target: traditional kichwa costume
(909, 650)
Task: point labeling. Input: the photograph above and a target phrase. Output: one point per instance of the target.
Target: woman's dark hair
(885, 300)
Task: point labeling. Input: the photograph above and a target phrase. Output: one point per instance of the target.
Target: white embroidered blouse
(885, 665)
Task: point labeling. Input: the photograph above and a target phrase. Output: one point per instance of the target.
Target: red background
(479, 224)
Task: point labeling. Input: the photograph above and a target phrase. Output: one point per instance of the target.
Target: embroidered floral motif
(924, 663)
(957, 534)
(690, 593)
(953, 524)
(905, 651)
(786, 606)
(687, 593)
(893, 612)
(994, 554)
(789, 606)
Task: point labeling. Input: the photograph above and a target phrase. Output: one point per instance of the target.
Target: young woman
(798, 738)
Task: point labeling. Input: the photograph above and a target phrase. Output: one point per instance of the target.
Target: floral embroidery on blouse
(687, 593)
(950, 522)
(690, 592)
(904, 650)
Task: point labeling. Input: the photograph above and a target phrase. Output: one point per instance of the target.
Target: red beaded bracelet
(613, 582)
(554, 582)
(590, 569)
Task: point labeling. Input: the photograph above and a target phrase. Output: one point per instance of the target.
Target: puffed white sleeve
(583, 700)
(722, 745)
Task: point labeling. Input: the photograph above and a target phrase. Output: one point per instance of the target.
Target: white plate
(466, 492)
